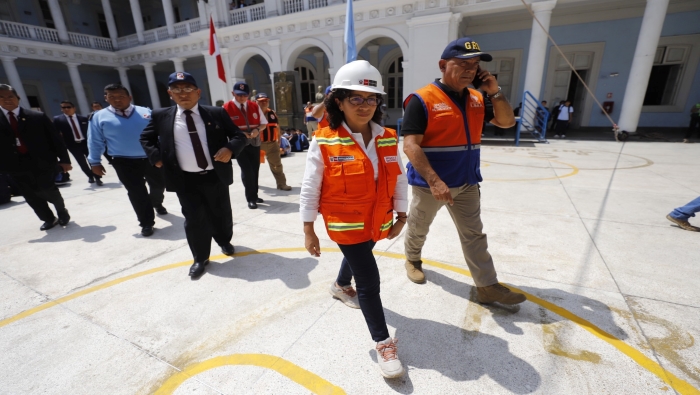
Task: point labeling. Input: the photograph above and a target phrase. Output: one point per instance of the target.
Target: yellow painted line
(310, 381)
(573, 172)
(669, 378)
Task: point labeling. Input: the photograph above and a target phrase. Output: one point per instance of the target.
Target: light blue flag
(351, 47)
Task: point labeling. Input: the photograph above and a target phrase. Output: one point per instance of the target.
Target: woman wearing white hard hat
(355, 179)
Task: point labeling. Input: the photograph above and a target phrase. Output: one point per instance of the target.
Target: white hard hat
(359, 76)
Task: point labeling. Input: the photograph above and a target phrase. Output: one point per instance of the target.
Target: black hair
(336, 117)
(5, 87)
(68, 102)
(96, 102)
(116, 87)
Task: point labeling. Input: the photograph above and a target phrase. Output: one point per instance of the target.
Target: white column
(320, 70)
(124, 78)
(111, 26)
(271, 9)
(169, 17)
(217, 88)
(203, 14)
(179, 63)
(428, 35)
(58, 21)
(373, 55)
(138, 19)
(83, 104)
(538, 47)
(276, 55)
(338, 52)
(643, 61)
(8, 63)
(152, 87)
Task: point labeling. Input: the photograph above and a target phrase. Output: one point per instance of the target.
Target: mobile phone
(477, 80)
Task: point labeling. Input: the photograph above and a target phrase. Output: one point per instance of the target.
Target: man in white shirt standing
(566, 113)
(194, 144)
(74, 129)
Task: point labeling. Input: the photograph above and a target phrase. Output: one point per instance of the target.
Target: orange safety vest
(354, 206)
(452, 139)
(270, 132)
(324, 122)
(233, 109)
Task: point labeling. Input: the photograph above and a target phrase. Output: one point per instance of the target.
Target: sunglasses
(371, 101)
(66, 107)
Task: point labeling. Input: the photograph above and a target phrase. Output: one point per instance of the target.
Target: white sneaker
(388, 358)
(556, 136)
(347, 295)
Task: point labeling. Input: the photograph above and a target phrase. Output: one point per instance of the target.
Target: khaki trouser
(466, 215)
(272, 154)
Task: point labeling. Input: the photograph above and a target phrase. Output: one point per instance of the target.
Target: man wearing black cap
(194, 145)
(270, 142)
(247, 115)
(442, 126)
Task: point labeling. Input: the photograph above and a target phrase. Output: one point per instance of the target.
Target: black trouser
(360, 260)
(37, 185)
(694, 125)
(5, 194)
(206, 206)
(134, 173)
(560, 127)
(249, 161)
(80, 153)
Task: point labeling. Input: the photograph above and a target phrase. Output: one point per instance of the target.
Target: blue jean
(687, 211)
(359, 261)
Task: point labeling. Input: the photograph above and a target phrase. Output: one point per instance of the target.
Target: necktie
(21, 148)
(196, 143)
(245, 116)
(75, 130)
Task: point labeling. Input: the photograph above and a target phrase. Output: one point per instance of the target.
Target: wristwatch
(496, 95)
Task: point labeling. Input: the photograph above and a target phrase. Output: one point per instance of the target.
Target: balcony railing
(247, 14)
(38, 33)
(88, 41)
(292, 6)
(184, 28)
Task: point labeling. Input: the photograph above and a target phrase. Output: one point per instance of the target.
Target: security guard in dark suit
(74, 129)
(29, 146)
(194, 145)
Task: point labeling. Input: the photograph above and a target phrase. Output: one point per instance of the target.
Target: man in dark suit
(29, 146)
(74, 129)
(194, 145)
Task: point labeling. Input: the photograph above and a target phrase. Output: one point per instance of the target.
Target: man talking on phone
(442, 127)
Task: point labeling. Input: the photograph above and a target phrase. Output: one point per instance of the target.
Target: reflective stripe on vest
(386, 142)
(452, 149)
(335, 141)
(342, 227)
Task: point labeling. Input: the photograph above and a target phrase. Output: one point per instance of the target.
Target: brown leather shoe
(284, 187)
(685, 225)
(498, 293)
(414, 271)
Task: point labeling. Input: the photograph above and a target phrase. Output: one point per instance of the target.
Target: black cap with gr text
(464, 48)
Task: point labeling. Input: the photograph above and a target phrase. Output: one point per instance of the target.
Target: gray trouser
(466, 215)
(272, 153)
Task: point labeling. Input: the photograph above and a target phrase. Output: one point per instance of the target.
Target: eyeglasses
(67, 107)
(371, 101)
(189, 89)
(241, 94)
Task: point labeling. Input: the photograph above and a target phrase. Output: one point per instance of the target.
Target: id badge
(17, 141)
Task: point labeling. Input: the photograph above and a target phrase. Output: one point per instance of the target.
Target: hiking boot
(685, 225)
(345, 294)
(414, 271)
(388, 359)
(498, 293)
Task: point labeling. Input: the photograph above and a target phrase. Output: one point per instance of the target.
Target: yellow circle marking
(642, 360)
(310, 381)
(573, 172)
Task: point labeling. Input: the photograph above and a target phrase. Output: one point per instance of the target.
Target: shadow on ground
(294, 272)
(73, 231)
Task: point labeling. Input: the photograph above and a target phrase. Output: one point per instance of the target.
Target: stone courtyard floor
(579, 226)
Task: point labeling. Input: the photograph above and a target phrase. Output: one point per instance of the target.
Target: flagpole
(350, 46)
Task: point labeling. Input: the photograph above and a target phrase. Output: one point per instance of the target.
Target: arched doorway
(256, 73)
(386, 55)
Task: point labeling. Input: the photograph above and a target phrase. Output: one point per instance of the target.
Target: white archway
(292, 53)
(377, 32)
(241, 57)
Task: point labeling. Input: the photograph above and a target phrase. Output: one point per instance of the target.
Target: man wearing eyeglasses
(247, 115)
(442, 126)
(194, 144)
(118, 127)
(74, 129)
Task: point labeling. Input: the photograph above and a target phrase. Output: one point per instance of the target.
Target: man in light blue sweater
(119, 128)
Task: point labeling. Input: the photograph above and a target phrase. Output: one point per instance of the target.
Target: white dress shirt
(127, 111)
(77, 127)
(261, 116)
(184, 150)
(313, 175)
(7, 113)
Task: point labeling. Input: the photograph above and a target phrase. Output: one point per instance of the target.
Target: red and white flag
(214, 50)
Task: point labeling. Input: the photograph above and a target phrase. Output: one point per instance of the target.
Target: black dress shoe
(228, 249)
(49, 224)
(99, 182)
(161, 210)
(258, 200)
(91, 180)
(197, 269)
(63, 218)
(146, 231)
(252, 205)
